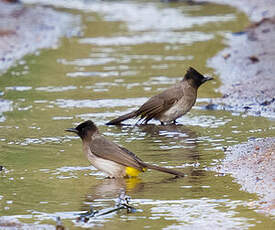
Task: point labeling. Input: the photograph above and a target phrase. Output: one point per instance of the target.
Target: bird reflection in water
(110, 188)
(121, 203)
(174, 136)
(181, 142)
(106, 191)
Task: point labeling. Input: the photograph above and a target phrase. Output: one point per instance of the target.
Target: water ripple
(145, 17)
(5, 106)
(87, 61)
(193, 214)
(152, 37)
(56, 88)
(103, 103)
(19, 88)
(93, 74)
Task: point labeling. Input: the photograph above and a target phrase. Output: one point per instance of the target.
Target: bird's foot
(109, 177)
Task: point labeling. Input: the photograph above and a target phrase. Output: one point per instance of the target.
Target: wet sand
(246, 69)
(252, 164)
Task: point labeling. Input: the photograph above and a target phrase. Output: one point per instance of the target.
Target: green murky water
(129, 51)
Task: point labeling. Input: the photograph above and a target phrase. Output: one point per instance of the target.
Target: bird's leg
(174, 122)
(161, 123)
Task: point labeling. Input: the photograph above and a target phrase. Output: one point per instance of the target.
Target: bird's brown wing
(160, 103)
(108, 150)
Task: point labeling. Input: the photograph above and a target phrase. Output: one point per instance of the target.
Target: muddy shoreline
(246, 69)
(248, 163)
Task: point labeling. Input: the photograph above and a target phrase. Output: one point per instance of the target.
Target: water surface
(129, 51)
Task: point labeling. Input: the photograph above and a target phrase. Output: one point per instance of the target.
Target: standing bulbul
(110, 158)
(171, 103)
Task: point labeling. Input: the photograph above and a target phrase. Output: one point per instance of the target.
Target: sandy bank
(252, 164)
(246, 67)
(247, 71)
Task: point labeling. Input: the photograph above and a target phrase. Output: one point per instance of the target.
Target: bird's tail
(166, 170)
(122, 118)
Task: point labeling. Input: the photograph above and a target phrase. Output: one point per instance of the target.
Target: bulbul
(171, 103)
(110, 158)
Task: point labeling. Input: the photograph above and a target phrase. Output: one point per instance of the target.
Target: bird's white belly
(177, 110)
(110, 168)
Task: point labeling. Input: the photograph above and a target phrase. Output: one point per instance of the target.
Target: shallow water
(129, 51)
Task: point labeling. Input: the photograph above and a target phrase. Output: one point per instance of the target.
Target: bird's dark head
(195, 77)
(85, 129)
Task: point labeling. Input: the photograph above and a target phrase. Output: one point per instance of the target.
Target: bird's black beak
(72, 130)
(207, 79)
